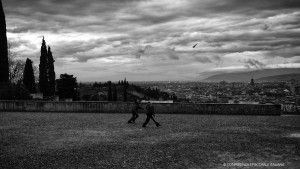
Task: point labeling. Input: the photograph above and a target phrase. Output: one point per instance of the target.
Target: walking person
(150, 115)
(134, 112)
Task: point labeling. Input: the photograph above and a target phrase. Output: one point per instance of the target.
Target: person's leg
(147, 120)
(132, 118)
(135, 117)
(156, 123)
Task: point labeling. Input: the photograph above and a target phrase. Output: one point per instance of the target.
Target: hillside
(285, 77)
(246, 76)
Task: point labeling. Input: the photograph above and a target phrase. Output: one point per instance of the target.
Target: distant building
(252, 82)
(37, 96)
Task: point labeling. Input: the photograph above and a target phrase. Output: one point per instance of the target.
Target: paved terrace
(90, 140)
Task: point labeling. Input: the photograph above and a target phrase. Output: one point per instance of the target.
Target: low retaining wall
(121, 107)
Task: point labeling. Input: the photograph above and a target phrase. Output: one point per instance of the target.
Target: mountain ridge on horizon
(247, 75)
(284, 77)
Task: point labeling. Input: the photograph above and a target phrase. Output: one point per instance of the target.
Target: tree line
(122, 91)
(17, 78)
(111, 89)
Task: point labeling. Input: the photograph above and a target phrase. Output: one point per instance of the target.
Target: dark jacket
(150, 108)
(136, 107)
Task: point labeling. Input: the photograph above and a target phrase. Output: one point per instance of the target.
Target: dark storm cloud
(156, 51)
(75, 47)
(142, 51)
(33, 27)
(68, 7)
(84, 57)
(79, 7)
(109, 9)
(152, 18)
(254, 63)
(52, 15)
(160, 31)
(244, 41)
(253, 7)
(108, 13)
(277, 43)
(259, 4)
(251, 36)
(232, 49)
(285, 52)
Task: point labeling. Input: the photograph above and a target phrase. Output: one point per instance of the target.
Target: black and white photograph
(149, 84)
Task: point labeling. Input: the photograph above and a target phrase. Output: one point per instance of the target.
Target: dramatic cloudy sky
(99, 40)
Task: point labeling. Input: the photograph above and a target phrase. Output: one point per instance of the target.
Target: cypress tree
(51, 73)
(28, 77)
(43, 78)
(3, 48)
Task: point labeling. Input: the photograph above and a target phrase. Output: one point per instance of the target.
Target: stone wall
(121, 107)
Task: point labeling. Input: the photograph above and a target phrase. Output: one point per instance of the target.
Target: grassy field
(58, 140)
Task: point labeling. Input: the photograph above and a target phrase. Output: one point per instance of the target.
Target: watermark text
(253, 164)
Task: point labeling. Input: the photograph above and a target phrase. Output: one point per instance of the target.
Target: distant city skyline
(148, 40)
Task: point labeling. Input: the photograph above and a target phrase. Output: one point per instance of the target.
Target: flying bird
(195, 45)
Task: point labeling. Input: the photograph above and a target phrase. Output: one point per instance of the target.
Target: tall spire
(252, 82)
